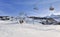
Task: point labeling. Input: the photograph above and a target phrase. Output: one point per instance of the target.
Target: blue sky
(14, 7)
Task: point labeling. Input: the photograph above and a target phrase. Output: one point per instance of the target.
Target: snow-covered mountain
(15, 29)
(56, 17)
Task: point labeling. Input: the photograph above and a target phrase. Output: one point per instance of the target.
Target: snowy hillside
(56, 17)
(13, 29)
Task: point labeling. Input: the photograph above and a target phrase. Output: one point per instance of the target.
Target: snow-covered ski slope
(14, 29)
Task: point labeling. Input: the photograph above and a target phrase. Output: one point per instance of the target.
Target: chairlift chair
(51, 8)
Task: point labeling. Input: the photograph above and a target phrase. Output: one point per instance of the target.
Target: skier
(21, 21)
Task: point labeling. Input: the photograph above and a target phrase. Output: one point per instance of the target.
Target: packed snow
(15, 29)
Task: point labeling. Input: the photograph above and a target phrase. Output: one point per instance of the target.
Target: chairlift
(51, 8)
(35, 8)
